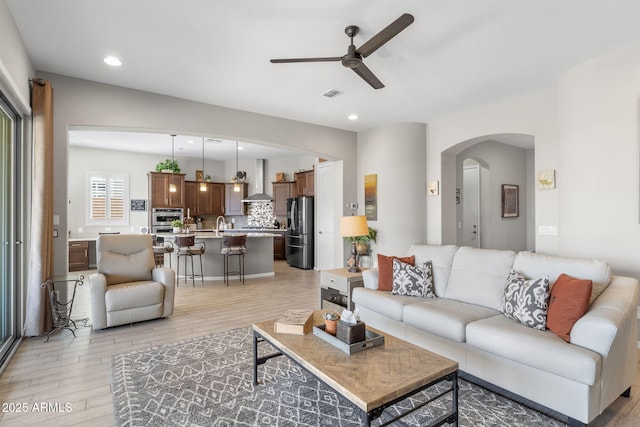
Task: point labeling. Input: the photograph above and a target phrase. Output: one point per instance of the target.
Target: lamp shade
(354, 226)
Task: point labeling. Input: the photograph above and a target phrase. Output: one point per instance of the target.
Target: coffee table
(371, 380)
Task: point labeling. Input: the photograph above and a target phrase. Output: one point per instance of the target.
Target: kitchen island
(258, 261)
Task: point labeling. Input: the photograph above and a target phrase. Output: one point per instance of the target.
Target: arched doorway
(483, 165)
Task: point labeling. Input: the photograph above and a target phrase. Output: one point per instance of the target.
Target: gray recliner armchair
(128, 287)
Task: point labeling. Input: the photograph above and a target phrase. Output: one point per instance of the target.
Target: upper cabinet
(210, 202)
(282, 190)
(233, 204)
(159, 194)
(305, 183)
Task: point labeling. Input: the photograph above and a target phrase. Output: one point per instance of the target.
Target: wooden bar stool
(187, 247)
(234, 245)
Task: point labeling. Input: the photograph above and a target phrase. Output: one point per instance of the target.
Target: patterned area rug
(208, 381)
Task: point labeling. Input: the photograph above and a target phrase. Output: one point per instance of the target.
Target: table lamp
(353, 226)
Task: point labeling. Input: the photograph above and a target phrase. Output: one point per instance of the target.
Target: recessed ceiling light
(113, 61)
(190, 141)
(240, 148)
(353, 117)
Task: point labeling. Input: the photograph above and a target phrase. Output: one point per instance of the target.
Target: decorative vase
(177, 229)
(330, 326)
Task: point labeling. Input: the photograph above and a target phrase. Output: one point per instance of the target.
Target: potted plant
(168, 166)
(177, 225)
(331, 322)
(363, 242)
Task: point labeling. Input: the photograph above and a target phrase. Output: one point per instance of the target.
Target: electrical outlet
(79, 230)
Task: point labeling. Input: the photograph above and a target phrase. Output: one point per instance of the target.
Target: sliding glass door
(9, 256)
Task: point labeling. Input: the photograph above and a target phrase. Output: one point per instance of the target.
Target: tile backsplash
(261, 214)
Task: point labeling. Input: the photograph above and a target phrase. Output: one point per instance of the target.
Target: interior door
(471, 205)
(328, 193)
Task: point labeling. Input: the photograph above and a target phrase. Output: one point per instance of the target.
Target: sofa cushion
(569, 302)
(412, 280)
(441, 258)
(385, 270)
(539, 349)
(527, 301)
(445, 318)
(383, 302)
(124, 296)
(478, 276)
(535, 265)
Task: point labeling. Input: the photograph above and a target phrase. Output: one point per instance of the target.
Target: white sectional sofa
(577, 379)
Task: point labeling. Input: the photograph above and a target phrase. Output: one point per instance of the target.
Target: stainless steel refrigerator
(300, 232)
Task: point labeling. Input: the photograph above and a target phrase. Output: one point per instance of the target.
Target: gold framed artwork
(510, 201)
(546, 180)
(199, 176)
(371, 197)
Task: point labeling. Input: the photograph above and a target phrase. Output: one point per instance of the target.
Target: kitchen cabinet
(217, 197)
(279, 245)
(305, 183)
(233, 204)
(159, 194)
(281, 192)
(79, 255)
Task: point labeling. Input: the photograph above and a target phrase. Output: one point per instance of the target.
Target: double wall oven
(161, 219)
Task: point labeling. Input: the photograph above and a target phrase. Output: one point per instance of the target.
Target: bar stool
(234, 245)
(187, 247)
(160, 251)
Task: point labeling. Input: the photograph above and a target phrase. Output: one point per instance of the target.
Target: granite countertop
(212, 235)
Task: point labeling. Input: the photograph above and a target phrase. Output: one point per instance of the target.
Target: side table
(336, 288)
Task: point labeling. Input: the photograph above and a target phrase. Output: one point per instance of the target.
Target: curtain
(38, 312)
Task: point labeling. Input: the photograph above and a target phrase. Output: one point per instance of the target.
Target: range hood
(259, 195)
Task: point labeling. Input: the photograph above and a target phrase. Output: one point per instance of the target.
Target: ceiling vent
(331, 93)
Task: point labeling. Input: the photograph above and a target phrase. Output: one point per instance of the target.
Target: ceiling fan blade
(368, 76)
(392, 30)
(327, 59)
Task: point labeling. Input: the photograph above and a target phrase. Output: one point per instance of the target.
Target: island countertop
(258, 258)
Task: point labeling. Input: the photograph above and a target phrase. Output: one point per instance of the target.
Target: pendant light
(203, 185)
(172, 186)
(236, 185)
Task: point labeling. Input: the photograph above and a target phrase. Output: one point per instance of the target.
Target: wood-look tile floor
(77, 371)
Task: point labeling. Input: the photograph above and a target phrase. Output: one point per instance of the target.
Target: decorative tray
(372, 340)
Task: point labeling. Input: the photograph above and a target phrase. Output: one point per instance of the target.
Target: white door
(328, 212)
(471, 205)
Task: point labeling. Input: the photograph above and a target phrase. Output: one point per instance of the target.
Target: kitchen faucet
(218, 223)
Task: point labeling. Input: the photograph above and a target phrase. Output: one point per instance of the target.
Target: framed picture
(433, 188)
(371, 197)
(510, 201)
(138, 205)
(199, 176)
(546, 179)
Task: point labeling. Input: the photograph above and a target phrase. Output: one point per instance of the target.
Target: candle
(188, 213)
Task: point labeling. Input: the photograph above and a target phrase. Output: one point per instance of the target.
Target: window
(108, 198)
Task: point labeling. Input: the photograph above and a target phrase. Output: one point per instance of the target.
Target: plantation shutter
(98, 198)
(108, 198)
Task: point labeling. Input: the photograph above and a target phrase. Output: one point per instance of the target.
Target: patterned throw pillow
(413, 281)
(527, 300)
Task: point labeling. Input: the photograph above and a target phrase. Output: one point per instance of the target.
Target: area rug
(208, 381)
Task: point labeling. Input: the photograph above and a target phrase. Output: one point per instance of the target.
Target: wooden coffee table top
(369, 379)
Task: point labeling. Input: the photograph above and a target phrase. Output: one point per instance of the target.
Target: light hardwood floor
(78, 371)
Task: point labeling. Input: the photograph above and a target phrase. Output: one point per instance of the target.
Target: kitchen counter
(258, 260)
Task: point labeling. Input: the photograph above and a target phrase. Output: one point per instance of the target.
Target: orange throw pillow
(385, 270)
(569, 301)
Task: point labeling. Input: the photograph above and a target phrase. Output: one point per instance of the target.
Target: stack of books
(297, 322)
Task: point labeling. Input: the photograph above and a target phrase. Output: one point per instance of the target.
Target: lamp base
(352, 262)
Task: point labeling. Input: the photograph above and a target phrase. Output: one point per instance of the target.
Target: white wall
(84, 103)
(15, 65)
(598, 168)
(396, 153)
(506, 165)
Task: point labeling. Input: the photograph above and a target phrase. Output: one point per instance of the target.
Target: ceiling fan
(353, 58)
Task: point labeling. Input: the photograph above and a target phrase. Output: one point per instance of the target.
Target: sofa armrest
(370, 278)
(97, 292)
(610, 328)
(167, 277)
